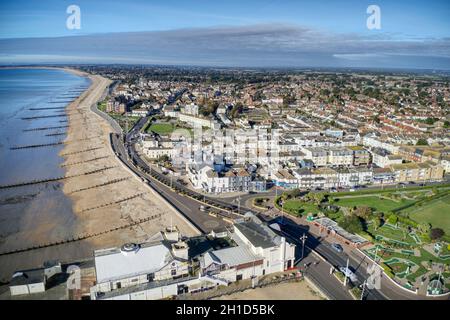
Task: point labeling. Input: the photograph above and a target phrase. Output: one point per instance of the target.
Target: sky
(264, 33)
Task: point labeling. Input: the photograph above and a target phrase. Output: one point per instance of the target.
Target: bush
(393, 219)
(407, 221)
(424, 227)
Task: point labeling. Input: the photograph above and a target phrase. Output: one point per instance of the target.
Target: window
(173, 272)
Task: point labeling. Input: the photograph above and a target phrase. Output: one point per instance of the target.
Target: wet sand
(87, 150)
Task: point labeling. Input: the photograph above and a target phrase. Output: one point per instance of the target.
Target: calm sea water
(37, 213)
(20, 91)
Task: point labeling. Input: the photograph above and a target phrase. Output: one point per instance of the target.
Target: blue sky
(419, 30)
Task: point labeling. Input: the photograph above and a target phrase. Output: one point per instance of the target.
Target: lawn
(436, 212)
(298, 207)
(162, 128)
(375, 202)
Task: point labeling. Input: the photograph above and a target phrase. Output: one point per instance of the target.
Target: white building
(160, 269)
(375, 142)
(140, 112)
(383, 158)
(204, 177)
(259, 251)
(162, 258)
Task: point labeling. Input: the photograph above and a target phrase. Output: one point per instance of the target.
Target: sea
(33, 122)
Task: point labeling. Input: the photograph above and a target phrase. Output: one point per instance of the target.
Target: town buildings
(167, 266)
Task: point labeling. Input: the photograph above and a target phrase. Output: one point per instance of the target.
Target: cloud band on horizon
(262, 45)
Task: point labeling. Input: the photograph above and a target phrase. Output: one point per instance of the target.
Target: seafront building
(167, 266)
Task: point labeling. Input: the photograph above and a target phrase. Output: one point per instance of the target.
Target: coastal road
(295, 231)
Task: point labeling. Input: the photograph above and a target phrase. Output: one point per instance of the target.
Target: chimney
(180, 250)
(172, 233)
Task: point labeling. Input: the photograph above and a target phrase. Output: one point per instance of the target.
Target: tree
(352, 224)
(363, 212)
(422, 142)
(295, 193)
(430, 121)
(376, 222)
(316, 197)
(436, 233)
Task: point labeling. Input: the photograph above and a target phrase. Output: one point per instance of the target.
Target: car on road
(349, 273)
(337, 247)
(203, 208)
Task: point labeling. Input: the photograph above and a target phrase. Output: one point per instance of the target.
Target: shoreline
(98, 189)
(90, 133)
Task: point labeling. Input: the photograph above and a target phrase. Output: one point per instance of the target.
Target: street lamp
(346, 273)
(303, 238)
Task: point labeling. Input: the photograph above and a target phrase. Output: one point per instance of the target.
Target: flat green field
(375, 202)
(162, 128)
(300, 208)
(436, 212)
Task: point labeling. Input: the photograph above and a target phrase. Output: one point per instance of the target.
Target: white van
(349, 273)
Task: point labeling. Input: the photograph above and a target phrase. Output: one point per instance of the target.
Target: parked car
(337, 247)
(349, 273)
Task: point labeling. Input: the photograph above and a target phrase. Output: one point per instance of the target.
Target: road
(294, 231)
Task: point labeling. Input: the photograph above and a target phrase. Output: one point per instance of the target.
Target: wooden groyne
(37, 145)
(80, 151)
(55, 134)
(45, 128)
(37, 181)
(100, 185)
(82, 236)
(43, 117)
(84, 161)
(48, 108)
(111, 203)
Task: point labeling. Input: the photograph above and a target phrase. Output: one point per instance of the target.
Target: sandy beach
(283, 291)
(100, 184)
(89, 131)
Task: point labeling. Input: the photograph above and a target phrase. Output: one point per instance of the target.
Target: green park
(408, 229)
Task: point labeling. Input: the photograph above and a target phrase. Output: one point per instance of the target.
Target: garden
(408, 228)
